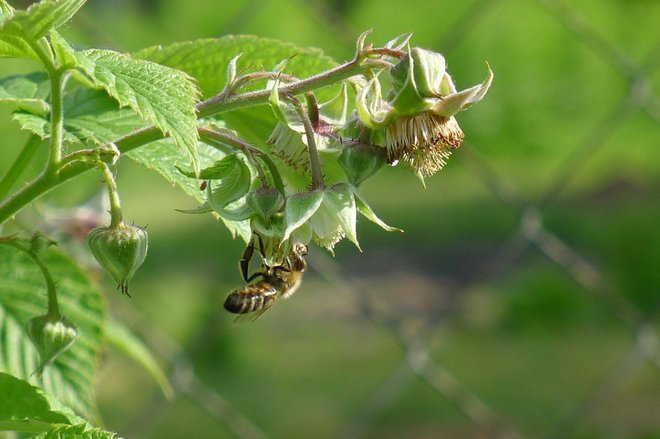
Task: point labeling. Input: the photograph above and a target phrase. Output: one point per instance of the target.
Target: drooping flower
(418, 118)
(288, 139)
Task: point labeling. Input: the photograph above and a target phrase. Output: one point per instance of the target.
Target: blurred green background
(522, 299)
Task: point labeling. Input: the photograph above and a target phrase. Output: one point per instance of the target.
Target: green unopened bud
(265, 201)
(361, 160)
(120, 251)
(416, 79)
(50, 336)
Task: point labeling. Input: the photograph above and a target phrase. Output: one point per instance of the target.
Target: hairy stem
(218, 104)
(318, 181)
(53, 306)
(20, 164)
(116, 216)
(57, 80)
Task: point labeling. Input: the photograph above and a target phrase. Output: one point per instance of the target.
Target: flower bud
(119, 250)
(416, 79)
(50, 336)
(265, 201)
(361, 160)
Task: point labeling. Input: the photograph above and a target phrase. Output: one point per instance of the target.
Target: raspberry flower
(418, 118)
(288, 139)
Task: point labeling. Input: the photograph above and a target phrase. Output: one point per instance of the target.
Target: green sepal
(283, 111)
(361, 160)
(299, 208)
(369, 214)
(50, 335)
(265, 201)
(241, 213)
(217, 171)
(341, 202)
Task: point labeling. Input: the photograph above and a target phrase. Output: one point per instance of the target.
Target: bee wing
(252, 316)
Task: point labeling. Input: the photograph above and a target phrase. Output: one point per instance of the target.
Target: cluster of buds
(335, 151)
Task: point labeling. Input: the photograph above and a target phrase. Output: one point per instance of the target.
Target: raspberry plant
(182, 111)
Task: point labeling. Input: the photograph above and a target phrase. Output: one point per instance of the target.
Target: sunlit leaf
(161, 95)
(23, 296)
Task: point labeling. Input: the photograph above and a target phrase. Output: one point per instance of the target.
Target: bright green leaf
(299, 208)
(127, 342)
(161, 95)
(23, 296)
(40, 18)
(204, 58)
(80, 431)
(26, 92)
(24, 407)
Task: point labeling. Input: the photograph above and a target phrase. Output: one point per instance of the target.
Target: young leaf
(23, 296)
(26, 92)
(40, 18)
(24, 407)
(161, 95)
(127, 342)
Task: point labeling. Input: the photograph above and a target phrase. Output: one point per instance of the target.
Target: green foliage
(163, 96)
(40, 18)
(25, 407)
(22, 296)
(122, 339)
(80, 431)
(26, 92)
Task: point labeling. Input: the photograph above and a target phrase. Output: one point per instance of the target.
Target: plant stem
(217, 104)
(116, 216)
(318, 181)
(19, 165)
(56, 121)
(53, 306)
(223, 103)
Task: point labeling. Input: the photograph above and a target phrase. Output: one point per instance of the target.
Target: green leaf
(203, 59)
(80, 431)
(217, 171)
(163, 157)
(299, 208)
(91, 117)
(40, 18)
(120, 337)
(24, 407)
(12, 46)
(26, 92)
(366, 211)
(161, 95)
(23, 296)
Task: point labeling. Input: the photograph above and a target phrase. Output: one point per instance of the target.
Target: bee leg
(245, 261)
(264, 261)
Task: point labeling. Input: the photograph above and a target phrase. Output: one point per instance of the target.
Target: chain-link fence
(414, 334)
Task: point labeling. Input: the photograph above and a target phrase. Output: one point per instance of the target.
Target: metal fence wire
(531, 233)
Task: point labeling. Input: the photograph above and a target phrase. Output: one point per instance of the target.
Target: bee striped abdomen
(251, 298)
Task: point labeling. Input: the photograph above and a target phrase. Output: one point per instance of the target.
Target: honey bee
(277, 282)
